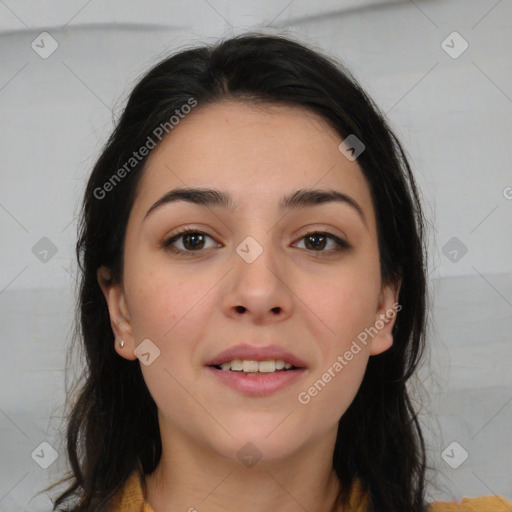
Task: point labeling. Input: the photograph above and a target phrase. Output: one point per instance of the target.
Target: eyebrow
(209, 197)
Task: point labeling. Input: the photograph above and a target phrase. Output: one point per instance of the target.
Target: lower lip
(263, 384)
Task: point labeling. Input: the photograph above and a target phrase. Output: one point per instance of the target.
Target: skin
(187, 305)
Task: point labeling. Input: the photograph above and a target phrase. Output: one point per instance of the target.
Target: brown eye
(191, 241)
(194, 241)
(318, 240)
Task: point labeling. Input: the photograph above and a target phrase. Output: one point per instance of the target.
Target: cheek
(168, 309)
(334, 387)
(346, 306)
(162, 301)
(346, 310)
(340, 306)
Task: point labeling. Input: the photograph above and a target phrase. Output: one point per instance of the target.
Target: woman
(253, 295)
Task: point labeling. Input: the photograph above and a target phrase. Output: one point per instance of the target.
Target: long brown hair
(113, 423)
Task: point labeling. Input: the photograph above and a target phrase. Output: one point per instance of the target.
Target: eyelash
(341, 245)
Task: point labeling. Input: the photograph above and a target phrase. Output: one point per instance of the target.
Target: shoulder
(359, 502)
(131, 498)
(493, 503)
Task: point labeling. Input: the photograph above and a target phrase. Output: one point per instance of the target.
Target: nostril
(240, 309)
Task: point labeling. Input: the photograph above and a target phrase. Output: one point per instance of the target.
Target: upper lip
(256, 353)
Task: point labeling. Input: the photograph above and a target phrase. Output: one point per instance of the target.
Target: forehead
(255, 152)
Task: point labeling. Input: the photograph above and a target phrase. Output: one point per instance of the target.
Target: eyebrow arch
(301, 198)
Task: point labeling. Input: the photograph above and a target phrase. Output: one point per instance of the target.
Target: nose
(259, 288)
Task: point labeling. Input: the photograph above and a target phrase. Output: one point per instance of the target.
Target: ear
(118, 312)
(385, 317)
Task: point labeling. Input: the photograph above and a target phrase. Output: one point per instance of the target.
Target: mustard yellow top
(132, 499)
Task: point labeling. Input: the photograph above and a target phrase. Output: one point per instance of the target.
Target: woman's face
(252, 275)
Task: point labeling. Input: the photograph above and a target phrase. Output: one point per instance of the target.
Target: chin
(268, 438)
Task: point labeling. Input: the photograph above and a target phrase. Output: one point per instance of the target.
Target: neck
(191, 477)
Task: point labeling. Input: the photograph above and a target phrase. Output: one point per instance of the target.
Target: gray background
(452, 112)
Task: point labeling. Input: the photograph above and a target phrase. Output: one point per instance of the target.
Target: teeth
(236, 365)
(251, 366)
(266, 366)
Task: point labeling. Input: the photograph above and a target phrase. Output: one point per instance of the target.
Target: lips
(257, 384)
(256, 353)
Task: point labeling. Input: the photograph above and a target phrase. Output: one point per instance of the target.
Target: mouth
(256, 371)
(256, 359)
(256, 383)
(253, 367)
